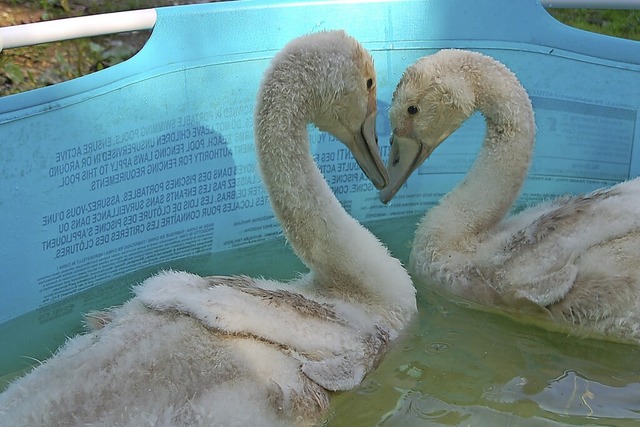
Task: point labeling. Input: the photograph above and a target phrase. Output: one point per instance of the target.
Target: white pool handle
(71, 28)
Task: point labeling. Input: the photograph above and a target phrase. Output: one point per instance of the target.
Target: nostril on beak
(395, 161)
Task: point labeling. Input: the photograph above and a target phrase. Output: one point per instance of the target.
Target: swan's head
(343, 81)
(433, 98)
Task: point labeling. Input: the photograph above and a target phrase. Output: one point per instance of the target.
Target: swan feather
(574, 257)
(188, 350)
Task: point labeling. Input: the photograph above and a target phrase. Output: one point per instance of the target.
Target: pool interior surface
(456, 365)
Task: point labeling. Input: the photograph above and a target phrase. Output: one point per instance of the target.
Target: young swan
(206, 351)
(576, 257)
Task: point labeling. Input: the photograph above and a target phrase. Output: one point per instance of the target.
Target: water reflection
(573, 394)
(417, 409)
(465, 367)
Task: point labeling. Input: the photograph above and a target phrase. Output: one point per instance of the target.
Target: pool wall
(152, 161)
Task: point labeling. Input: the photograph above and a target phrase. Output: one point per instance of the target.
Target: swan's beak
(367, 153)
(405, 157)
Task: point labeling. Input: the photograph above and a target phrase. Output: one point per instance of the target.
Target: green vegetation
(618, 23)
(27, 68)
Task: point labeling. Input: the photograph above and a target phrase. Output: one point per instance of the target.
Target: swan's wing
(331, 353)
(562, 214)
(234, 304)
(479, 289)
(545, 290)
(335, 374)
(345, 371)
(538, 267)
(540, 260)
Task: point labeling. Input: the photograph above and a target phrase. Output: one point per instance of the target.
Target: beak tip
(385, 196)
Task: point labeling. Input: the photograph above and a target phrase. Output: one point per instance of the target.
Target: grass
(618, 23)
(28, 68)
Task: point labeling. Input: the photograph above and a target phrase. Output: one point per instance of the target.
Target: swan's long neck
(343, 255)
(302, 202)
(488, 191)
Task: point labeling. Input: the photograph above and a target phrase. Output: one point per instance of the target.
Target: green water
(454, 366)
(463, 367)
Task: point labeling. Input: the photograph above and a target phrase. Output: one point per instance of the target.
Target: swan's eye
(369, 83)
(412, 109)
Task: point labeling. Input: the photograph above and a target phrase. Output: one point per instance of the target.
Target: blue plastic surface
(152, 160)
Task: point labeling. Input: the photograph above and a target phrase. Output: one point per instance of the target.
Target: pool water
(456, 365)
(464, 367)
